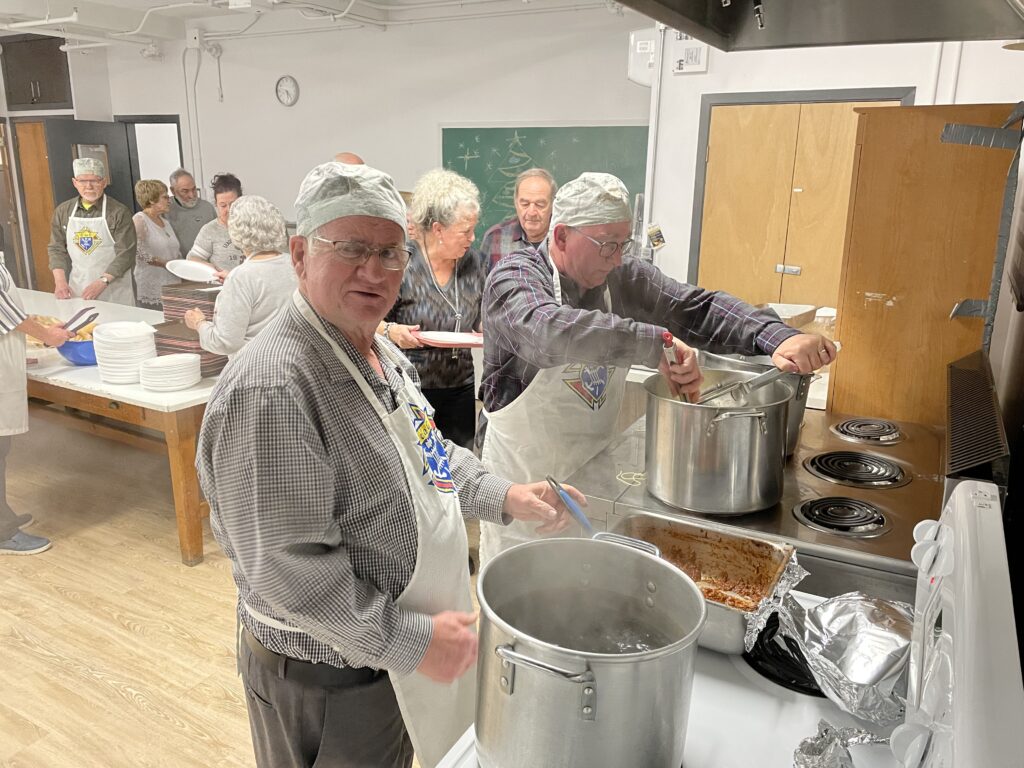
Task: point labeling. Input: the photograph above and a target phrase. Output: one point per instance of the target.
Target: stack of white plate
(169, 373)
(120, 349)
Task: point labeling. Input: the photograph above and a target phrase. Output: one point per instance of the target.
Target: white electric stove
(966, 701)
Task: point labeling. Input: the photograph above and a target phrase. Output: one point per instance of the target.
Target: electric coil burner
(842, 516)
(855, 469)
(869, 431)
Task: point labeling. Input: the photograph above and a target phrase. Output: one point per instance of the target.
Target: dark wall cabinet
(35, 73)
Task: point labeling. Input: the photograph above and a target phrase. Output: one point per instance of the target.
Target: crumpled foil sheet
(793, 574)
(830, 748)
(858, 649)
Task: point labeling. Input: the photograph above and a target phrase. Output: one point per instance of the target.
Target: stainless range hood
(733, 25)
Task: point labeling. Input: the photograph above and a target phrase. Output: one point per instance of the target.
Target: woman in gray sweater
(254, 291)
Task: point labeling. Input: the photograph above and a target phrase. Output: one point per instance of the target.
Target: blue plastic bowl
(78, 352)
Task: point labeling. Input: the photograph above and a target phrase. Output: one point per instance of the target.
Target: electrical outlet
(194, 38)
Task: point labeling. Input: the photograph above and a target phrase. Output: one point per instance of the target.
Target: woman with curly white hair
(254, 291)
(441, 291)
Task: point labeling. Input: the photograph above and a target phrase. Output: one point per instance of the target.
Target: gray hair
(537, 173)
(441, 195)
(255, 225)
(178, 175)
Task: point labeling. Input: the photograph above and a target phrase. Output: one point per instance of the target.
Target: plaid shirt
(502, 239)
(525, 329)
(309, 500)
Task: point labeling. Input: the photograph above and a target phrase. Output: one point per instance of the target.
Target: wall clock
(287, 90)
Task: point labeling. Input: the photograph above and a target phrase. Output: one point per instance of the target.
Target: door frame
(133, 147)
(904, 94)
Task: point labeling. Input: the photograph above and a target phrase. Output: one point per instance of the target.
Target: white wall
(386, 94)
(943, 73)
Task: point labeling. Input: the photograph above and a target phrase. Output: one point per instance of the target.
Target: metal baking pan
(734, 571)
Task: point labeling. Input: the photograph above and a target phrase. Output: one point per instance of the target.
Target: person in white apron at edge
(341, 506)
(564, 322)
(14, 324)
(92, 241)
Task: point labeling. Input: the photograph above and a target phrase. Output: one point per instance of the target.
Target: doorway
(154, 146)
(772, 192)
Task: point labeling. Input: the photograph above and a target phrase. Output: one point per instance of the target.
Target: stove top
(861, 525)
(856, 469)
(843, 516)
(877, 432)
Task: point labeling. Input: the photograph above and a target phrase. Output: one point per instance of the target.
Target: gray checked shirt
(309, 500)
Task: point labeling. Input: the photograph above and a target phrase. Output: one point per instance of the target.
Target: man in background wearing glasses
(92, 241)
(564, 322)
(341, 506)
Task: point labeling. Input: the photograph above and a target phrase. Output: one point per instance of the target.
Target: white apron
(436, 715)
(91, 249)
(563, 418)
(13, 384)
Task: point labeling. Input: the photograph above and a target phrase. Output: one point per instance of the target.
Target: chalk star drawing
(466, 158)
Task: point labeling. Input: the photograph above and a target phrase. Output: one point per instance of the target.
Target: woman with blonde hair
(254, 291)
(441, 291)
(157, 243)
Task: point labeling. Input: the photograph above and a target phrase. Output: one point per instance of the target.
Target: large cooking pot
(721, 458)
(586, 658)
(800, 382)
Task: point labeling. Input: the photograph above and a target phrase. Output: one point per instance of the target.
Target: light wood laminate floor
(112, 653)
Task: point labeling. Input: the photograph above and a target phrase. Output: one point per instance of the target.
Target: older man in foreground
(340, 506)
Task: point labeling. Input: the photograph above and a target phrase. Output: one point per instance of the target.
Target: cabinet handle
(786, 269)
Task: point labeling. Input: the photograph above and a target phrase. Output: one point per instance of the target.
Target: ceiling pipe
(83, 46)
(72, 19)
(80, 36)
(145, 16)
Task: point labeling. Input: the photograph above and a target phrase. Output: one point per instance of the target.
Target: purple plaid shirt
(502, 239)
(525, 329)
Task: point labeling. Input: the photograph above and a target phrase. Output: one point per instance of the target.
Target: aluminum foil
(830, 748)
(793, 574)
(858, 648)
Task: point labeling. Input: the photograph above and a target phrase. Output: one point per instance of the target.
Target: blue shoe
(23, 543)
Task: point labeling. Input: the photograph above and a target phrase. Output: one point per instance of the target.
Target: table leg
(180, 433)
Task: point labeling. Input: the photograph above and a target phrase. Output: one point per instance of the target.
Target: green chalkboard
(493, 157)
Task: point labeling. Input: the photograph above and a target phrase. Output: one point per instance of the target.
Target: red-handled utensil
(671, 357)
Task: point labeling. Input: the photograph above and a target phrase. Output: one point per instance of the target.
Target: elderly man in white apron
(92, 241)
(341, 506)
(14, 324)
(564, 322)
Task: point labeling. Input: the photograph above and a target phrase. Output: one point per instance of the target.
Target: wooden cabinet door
(746, 199)
(34, 167)
(820, 201)
(36, 74)
(921, 237)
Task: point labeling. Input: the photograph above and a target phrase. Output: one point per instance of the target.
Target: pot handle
(510, 658)
(627, 541)
(759, 415)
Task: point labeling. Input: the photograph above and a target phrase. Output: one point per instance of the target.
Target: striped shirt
(309, 500)
(526, 330)
(502, 239)
(11, 313)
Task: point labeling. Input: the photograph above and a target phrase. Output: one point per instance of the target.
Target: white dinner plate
(196, 271)
(449, 339)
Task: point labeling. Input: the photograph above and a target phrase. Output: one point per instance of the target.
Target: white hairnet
(333, 190)
(85, 166)
(591, 198)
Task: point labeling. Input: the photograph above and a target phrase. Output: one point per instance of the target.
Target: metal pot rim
(681, 644)
(651, 383)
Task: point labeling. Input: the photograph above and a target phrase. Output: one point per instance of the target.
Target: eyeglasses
(356, 254)
(608, 248)
(91, 182)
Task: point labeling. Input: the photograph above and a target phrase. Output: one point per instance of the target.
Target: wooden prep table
(176, 415)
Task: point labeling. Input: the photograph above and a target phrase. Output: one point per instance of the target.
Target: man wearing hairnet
(340, 506)
(92, 241)
(564, 323)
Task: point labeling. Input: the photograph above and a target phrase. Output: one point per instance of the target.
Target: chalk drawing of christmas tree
(503, 177)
